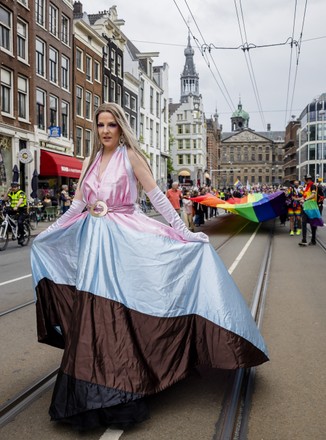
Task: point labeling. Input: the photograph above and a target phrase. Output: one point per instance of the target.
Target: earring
(121, 140)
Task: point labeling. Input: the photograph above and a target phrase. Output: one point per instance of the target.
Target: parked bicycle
(8, 224)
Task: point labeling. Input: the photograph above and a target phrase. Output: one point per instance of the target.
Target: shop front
(57, 170)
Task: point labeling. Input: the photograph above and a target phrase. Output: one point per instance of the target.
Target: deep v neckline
(99, 174)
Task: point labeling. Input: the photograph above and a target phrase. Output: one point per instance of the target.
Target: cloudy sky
(275, 82)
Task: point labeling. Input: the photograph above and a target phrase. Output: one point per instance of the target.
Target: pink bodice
(117, 186)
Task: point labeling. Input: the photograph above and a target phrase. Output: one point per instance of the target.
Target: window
(106, 89)
(53, 20)
(142, 92)
(40, 12)
(53, 111)
(65, 27)
(40, 58)
(79, 101)
(64, 72)
(79, 141)
(112, 61)
(187, 143)
(22, 97)
(53, 65)
(133, 123)
(22, 40)
(180, 144)
(6, 91)
(141, 126)
(119, 94)
(180, 159)
(151, 100)
(40, 109)
(180, 129)
(133, 103)
(157, 130)
(106, 57)
(127, 100)
(96, 103)
(79, 59)
(64, 119)
(97, 70)
(151, 132)
(88, 105)
(119, 66)
(87, 143)
(112, 91)
(88, 68)
(188, 159)
(5, 29)
(157, 104)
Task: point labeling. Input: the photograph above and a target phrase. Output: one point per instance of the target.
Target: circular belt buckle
(98, 209)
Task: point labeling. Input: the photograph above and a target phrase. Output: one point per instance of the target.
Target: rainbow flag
(257, 207)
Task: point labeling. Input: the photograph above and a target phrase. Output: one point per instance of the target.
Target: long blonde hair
(128, 135)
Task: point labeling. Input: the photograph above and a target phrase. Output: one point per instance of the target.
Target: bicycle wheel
(33, 220)
(27, 235)
(4, 237)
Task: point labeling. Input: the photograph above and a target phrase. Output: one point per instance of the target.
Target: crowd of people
(296, 194)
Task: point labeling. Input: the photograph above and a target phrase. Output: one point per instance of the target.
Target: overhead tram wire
(219, 74)
(203, 55)
(290, 65)
(249, 63)
(298, 55)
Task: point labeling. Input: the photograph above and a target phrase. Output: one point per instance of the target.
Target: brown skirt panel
(107, 344)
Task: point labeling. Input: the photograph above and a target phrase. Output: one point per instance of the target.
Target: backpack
(320, 194)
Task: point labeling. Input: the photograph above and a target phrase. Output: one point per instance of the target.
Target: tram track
(233, 421)
(14, 309)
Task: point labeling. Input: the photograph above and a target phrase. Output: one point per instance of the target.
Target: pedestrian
(293, 198)
(65, 199)
(18, 205)
(320, 196)
(188, 211)
(174, 195)
(310, 213)
(135, 304)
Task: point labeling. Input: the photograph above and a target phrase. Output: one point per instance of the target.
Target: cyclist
(18, 205)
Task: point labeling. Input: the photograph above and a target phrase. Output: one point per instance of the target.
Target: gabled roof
(173, 107)
(247, 135)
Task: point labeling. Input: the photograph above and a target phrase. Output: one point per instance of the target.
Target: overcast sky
(274, 83)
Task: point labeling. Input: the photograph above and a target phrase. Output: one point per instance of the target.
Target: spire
(189, 77)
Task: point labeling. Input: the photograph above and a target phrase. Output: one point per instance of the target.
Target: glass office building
(312, 140)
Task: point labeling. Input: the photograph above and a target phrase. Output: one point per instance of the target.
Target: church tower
(189, 76)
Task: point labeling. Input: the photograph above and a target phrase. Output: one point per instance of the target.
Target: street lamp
(323, 146)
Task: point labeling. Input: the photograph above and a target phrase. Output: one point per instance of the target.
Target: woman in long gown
(134, 304)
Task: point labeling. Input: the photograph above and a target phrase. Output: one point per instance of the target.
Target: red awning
(53, 164)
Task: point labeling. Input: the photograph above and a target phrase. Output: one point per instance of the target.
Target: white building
(153, 112)
(188, 129)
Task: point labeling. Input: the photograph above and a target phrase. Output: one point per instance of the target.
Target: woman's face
(108, 130)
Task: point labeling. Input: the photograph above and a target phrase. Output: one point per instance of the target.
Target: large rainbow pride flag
(257, 207)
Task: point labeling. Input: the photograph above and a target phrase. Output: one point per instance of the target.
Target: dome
(240, 113)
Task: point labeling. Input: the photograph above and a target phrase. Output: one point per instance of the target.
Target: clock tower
(189, 76)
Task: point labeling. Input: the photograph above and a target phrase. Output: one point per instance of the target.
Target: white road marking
(15, 279)
(244, 250)
(111, 434)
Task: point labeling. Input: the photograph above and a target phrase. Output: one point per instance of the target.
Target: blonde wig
(127, 135)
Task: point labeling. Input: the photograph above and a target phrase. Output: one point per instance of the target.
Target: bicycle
(9, 224)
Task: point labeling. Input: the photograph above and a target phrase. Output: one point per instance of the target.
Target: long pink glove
(164, 207)
(76, 208)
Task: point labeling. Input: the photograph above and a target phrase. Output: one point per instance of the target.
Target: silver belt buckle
(98, 209)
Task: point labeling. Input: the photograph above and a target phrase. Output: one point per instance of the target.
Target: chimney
(268, 127)
(78, 8)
